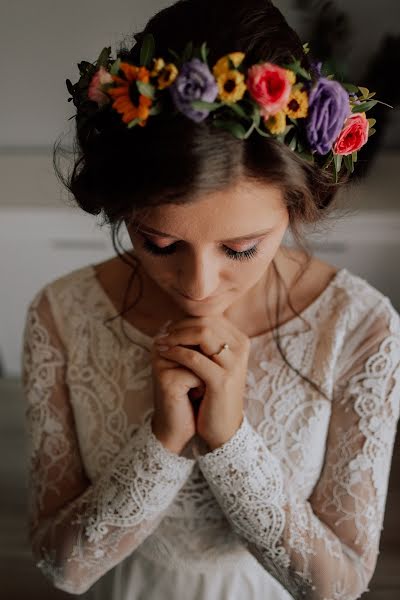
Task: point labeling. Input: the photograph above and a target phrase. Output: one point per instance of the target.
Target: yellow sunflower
(167, 76)
(276, 123)
(297, 106)
(231, 86)
(222, 65)
(157, 65)
(291, 76)
(122, 94)
(165, 73)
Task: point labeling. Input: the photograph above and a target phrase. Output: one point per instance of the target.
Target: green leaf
(307, 156)
(348, 161)
(238, 110)
(295, 66)
(256, 115)
(288, 128)
(147, 50)
(354, 156)
(337, 161)
(204, 52)
(250, 130)
(134, 122)
(261, 132)
(205, 105)
(384, 103)
(293, 143)
(364, 106)
(155, 109)
(145, 88)
(232, 126)
(364, 91)
(70, 87)
(371, 122)
(175, 55)
(177, 59)
(84, 65)
(115, 67)
(104, 57)
(371, 132)
(187, 53)
(350, 87)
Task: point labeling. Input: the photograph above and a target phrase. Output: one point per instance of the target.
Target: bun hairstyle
(119, 171)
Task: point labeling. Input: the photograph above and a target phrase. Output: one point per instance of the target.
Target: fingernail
(165, 325)
(160, 335)
(163, 348)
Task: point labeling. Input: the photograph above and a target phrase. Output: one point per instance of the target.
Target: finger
(162, 361)
(205, 368)
(208, 340)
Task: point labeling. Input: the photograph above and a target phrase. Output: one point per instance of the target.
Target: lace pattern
(93, 532)
(301, 485)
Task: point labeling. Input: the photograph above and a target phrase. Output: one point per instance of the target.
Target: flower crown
(310, 113)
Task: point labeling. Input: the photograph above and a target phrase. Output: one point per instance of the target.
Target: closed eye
(171, 249)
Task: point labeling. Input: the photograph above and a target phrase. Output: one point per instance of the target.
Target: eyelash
(233, 254)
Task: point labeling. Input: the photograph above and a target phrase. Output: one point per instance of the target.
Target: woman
(251, 458)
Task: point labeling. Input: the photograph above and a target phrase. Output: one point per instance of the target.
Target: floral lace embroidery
(303, 519)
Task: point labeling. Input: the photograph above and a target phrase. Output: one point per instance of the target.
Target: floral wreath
(310, 113)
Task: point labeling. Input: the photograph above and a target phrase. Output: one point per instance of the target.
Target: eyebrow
(249, 236)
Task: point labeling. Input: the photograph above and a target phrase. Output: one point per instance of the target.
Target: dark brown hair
(118, 171)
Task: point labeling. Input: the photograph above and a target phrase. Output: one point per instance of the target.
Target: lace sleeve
(325, 547)
(79, 530)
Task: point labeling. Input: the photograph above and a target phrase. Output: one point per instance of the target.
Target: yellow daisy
(166, 73)
(297, 106)
(231, 86)
(276, 123)
(167, 76)
(291, 76)
(222, 65)
(157, 66)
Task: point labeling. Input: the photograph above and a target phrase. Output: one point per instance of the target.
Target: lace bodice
(301, 485)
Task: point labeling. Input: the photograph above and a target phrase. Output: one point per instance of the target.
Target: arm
(326, 547)
(79, 530)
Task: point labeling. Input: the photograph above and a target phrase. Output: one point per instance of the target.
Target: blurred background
(42, 236)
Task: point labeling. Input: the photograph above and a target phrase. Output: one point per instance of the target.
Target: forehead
(225, 214)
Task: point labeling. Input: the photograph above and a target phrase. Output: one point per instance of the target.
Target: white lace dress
(291, 506)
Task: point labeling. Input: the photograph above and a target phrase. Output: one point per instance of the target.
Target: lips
(193, 300)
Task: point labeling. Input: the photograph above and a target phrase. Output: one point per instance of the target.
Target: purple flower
(329, 108)
(194, 82)
(316, 66)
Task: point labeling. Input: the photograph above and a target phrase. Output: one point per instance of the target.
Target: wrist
(166, 441)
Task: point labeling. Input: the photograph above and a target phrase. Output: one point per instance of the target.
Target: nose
(199, 280)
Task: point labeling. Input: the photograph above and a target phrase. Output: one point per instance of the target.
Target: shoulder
(363, 302)
(55, 303)
(68, 282)
(345, 298)
(368, 328)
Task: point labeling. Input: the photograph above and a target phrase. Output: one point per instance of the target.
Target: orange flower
(125, 90)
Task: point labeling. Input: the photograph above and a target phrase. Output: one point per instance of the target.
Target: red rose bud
(353, 135)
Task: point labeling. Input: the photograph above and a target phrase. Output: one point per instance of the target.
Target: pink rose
(95, 92)
(270, 86)
(353, 135)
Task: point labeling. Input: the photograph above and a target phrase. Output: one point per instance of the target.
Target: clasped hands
(220, 413)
